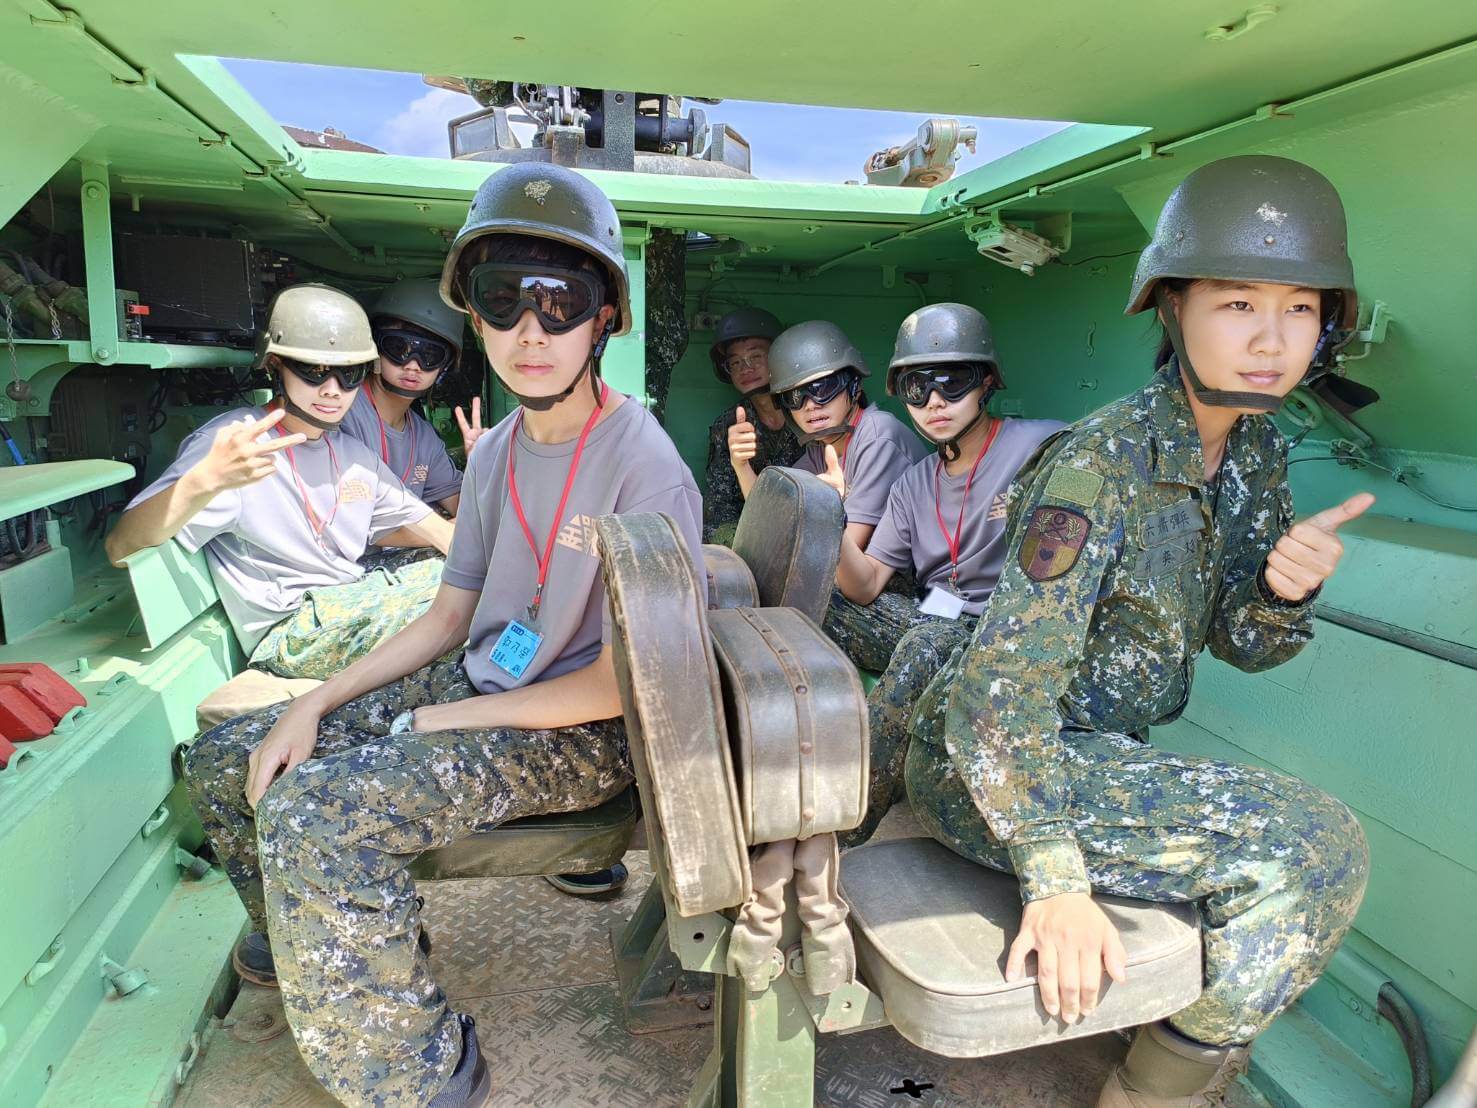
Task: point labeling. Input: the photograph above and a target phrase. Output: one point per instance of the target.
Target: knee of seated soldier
(226, 746)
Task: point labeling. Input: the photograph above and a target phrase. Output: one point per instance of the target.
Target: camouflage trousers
(336, 626)
(395, 558)
(921, 653)
(1275, 866)
(869, 633)
(322, 863)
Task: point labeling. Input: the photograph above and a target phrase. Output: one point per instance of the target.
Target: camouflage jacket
(1123, 564)
(722, 500)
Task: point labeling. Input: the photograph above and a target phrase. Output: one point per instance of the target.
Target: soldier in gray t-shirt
(283, 505)
(945, 523)
(872, 458)
(423, 743)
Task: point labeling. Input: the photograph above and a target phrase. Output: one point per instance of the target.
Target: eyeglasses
(562, 299)
(349, 376)
(404, 347)
(753, 361)
(952, 382)
(822, 390)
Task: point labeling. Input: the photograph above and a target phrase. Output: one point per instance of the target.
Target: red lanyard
(547, 556)
(856, 418)
(953, 540)
(318, 525)
(385, 441)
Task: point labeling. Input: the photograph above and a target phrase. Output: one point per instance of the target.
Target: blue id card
(515, 648)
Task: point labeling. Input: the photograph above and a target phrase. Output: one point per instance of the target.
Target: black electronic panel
(194, 289)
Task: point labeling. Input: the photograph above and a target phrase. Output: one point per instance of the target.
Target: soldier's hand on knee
(1309, 552)
(1074, 942)
(288, 745)
(743, 440)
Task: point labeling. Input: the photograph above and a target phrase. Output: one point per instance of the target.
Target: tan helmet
(318, 325)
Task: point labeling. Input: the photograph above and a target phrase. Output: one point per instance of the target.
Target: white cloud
(420, 129)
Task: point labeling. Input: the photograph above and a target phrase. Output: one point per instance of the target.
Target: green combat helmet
(939, 334)
(544, 201)
(317, 325)
(743, 323)
(1252, 218)
(807, 352)
(417, 301)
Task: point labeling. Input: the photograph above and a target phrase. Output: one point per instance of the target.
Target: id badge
(515, 648)
(941, 602)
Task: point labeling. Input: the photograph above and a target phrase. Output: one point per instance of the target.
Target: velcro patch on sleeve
(1075, 486)
(1052, 542)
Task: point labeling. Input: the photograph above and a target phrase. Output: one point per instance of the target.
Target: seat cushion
(249, 691)
(932, 932)
(565, 842)
(789, 533)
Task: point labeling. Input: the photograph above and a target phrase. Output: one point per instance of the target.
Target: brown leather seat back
(797, 718)
(790, 535)
(730, 581)
(674, 713)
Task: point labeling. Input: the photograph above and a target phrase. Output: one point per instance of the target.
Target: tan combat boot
(1165, 1070)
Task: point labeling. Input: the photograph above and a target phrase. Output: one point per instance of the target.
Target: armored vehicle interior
(149, 206)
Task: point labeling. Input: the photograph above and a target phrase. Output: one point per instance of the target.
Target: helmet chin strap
(760, 391)
(949, 448)
(401, 390)
(295, 409)
(544, 403)
(1217, 398)
(804, 437)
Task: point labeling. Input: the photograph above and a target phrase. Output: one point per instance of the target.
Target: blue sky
(399, 113)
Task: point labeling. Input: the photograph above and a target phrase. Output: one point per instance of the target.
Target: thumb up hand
(1308, 553)
(743, 440)
(833, 475)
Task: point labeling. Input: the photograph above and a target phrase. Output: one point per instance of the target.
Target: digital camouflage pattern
(1277, 866)
(1027, 751)
(322, 867)
(336, 626)
(924, 648)
(869, 634)
(395, 558)
(722, 500)
(666, 317)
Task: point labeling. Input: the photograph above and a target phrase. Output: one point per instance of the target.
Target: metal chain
(56, 324)
(15, 366)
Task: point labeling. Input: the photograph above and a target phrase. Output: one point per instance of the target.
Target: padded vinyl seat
(566, 842)
(249, 691)
(932, 932)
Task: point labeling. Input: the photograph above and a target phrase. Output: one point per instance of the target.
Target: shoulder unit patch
(1052, 542)
(1076, 486)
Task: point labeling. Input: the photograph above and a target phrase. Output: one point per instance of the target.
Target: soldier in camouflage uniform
(318, 807)
(756, 429)
(943, 526)
(1157, 527)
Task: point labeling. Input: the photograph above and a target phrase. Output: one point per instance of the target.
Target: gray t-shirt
(429, 472)
(876, 455)
(261, 549)
(629, 465)
(909, 538)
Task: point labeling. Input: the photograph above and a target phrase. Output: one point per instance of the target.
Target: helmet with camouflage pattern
(1253, 218)
(809, 351)
(547, 202)
(418, 301)
(742, 323)
(318, 325)
(940, 333)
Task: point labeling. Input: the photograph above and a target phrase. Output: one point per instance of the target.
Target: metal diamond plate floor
(534, 967)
